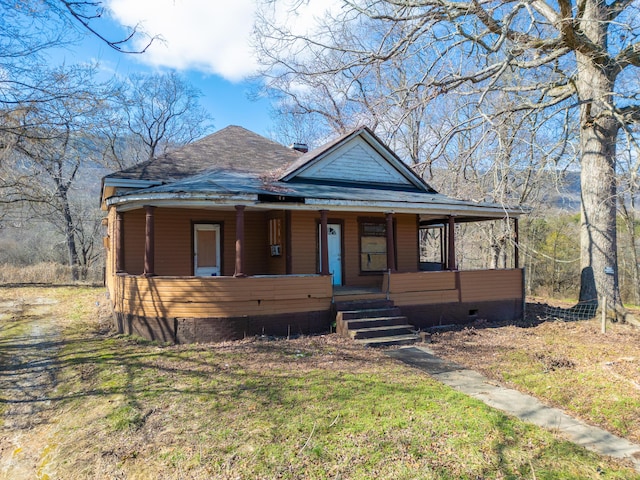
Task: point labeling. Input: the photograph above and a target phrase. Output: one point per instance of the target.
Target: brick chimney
(300, 147)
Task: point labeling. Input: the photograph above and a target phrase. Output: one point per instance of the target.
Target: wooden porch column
(119, 243)
(451, 253)
(391, 249)
(239, 272)
(324, 243)
(288, 243)
(149, 242)
(516, 253)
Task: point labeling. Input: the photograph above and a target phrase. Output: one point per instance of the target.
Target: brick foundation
(203, 330)
(424, 316)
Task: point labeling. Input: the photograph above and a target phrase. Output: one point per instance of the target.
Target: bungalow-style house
(236, 235)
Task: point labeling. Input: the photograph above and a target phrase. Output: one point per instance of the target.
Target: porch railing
(211, 297)
(424, 288)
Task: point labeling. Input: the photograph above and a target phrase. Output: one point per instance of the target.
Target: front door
(334, 244)
(206, 250)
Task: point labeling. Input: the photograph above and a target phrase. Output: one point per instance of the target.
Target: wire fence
(581, 311)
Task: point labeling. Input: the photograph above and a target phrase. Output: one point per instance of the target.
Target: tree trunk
(69, 233)
(598, 134)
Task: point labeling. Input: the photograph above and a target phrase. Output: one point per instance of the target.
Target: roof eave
(203, 200)
(111, 184)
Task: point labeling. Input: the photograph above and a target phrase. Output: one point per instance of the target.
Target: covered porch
(281, 271)
(356, 248)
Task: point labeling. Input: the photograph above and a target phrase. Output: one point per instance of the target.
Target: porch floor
(345, 293)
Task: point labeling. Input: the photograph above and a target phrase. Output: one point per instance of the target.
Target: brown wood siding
(221, 296)
(487, 285)
(351, 255)
(304, 227)
(406, 238)
(110, 258)
(174, 240)
(304, 251)
(422, 288)
(407, 243)
(422, 281)
(256, 243)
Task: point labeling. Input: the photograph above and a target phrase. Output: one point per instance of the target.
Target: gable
(355, 162)
(356, 159)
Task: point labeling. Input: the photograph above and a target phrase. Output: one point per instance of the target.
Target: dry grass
(45, 273)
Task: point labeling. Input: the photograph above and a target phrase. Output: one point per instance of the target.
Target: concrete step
(376, 332)
(389, 341)
(368, 313)
(375, 322)
(362, 304)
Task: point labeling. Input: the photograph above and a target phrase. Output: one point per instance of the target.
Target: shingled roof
(236, 166)
(232, 148)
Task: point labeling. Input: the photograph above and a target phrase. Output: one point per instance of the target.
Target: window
(432, 242)
(373, 245)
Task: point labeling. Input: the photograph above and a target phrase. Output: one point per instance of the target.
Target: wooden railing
(211, 297)
(424, 288)
(223, 297)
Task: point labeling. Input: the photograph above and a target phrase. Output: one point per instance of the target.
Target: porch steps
(381, 331)
(378, 321)
(407, 339)
(370, 313)
(374, 323)
(368, 304)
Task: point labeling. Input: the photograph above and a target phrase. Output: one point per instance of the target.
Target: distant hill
(566, 195)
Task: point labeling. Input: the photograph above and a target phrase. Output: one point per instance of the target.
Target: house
(236, 235)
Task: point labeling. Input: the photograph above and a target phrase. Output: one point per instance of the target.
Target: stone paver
(518, 404)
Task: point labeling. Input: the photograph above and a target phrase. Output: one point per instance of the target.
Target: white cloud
(212, 36)
(205, 35)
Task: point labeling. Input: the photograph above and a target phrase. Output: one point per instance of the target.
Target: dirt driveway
(27, 379)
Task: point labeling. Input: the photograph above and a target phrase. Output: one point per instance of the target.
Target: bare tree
(628, 190)
(49, 143)
(571, 57)
(47, 113)
(152, 113)
(28, 30)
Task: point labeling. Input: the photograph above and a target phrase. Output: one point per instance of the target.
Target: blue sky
(208, 41)
(214, 54)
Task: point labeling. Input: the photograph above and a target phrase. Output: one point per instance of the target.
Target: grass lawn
(314, 407)
(571, 365)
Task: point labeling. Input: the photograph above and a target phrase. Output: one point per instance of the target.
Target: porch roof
(223, 188)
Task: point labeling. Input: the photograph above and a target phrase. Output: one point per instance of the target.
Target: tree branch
(76, 11)
(630, 56)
